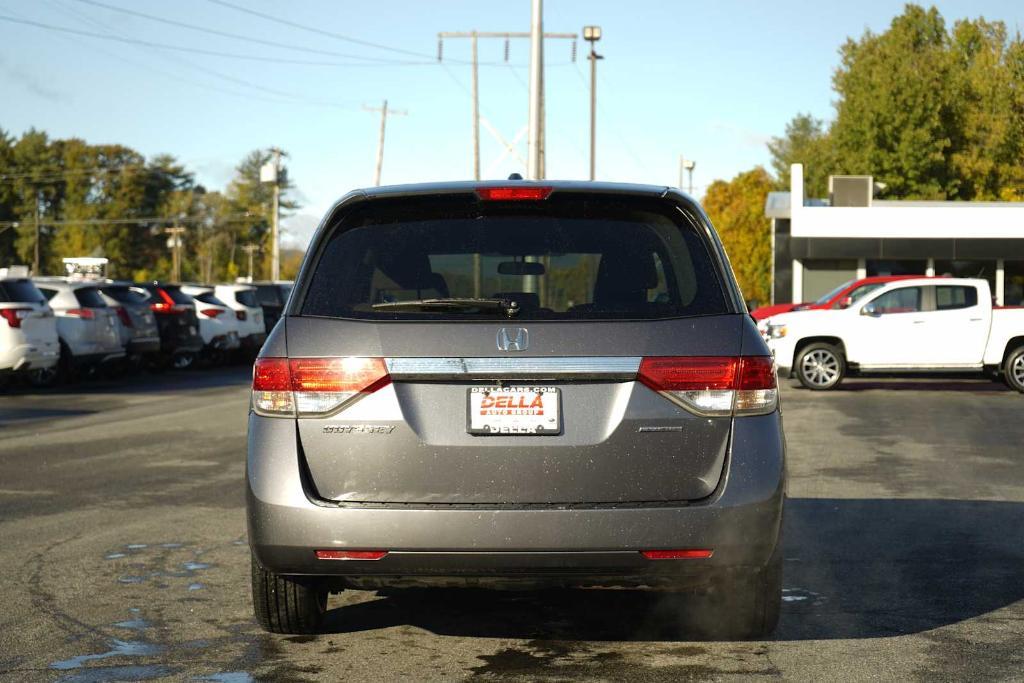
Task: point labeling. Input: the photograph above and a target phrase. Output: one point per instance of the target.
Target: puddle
(171, 545)
(121, 648)
(131, 579)
(136, 624)
(196, 586)
(196, 566)
(800, 596)
(229, 677)
(108, 674)
(115, 556)
(136, 546)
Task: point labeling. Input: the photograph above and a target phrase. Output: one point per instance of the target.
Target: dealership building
(821, 243)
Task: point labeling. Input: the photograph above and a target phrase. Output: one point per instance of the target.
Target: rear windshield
(209, 298)
(125, 294)
(569, 257)
(268, 295)
(89, 297)
(20, 291)
(247, 297)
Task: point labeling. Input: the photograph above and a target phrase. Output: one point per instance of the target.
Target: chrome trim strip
(576, 367)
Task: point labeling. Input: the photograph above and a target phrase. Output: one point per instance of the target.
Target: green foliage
(933, 113)
(83, 194)
(736, 209)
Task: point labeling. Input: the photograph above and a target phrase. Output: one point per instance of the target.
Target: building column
(1000, 282)
(798, 281)
(929, 269)
(862, 268)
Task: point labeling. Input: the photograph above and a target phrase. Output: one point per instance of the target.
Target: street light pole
(536, 127)
(592, 34)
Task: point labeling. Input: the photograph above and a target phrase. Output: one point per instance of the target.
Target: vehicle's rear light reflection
(350, 554)
(683, 554)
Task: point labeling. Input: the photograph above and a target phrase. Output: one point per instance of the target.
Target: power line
(197, 50)
(227, 34)
(141, 222)
(320, 31)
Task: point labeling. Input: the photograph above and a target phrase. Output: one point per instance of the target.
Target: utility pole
(536, 112)
(592, 34)
(174, 241)
(35, 258)
(270, 172)
(384, 114)
(249, 249)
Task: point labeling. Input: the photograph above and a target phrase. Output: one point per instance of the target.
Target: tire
(1013, 370)
(43, 378)
(820, 366)
(287, 604)
(744, 606)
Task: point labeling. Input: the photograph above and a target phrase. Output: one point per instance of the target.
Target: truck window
(903, 300)
(950, 297)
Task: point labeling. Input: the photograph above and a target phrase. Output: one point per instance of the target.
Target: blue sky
(711, 80)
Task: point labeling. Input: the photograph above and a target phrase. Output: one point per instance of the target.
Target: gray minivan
(516, 385)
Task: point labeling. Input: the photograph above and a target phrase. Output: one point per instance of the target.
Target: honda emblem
(513, 339)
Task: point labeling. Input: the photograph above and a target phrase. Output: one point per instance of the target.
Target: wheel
(744, 606)
(287, 604)
(820, 366)
(1013, 372)
(55, 374)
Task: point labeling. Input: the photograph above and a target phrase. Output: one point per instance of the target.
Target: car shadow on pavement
(857, 568)
(919, 383)
(143, 383)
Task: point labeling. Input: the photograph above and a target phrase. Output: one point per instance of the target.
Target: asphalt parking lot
(123, 554)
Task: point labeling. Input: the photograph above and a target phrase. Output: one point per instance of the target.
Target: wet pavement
(123, 554)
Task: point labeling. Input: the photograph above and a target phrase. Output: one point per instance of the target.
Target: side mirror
(870, 309)
(846, 302)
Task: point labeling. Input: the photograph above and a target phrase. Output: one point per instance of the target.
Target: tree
(736, 208)
(806, 141)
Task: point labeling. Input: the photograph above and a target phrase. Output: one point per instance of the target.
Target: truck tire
(820, 366)
(1013, 370)
(287, 604)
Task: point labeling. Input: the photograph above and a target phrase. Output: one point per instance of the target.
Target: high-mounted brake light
(714, 385)
(285, 387)
(350, 554)
(14, 316)
(514, 193)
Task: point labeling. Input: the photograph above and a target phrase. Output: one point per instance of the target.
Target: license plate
(514, 410)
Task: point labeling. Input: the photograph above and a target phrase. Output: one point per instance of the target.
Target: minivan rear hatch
(451, 350)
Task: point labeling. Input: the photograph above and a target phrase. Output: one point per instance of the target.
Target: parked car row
(56, 328)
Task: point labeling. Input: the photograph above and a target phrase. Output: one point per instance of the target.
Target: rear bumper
(29, 357)
(138, 347)
(740, 522)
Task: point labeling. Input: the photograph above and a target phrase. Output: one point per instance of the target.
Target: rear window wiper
(506, 306)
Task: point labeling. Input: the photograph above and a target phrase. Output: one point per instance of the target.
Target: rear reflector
(687, 554)
(512, 194)
(313, 386)
(714, 385)
(350, 554)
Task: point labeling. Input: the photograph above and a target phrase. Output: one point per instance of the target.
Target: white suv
(217, 323)
(89, 329)
(28, 330)
(243, 301)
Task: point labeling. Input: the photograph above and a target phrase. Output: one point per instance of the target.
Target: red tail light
(212, 312)
(314, 386)
(84, 313)
(241, 315)
(166, 304)
(123, 316)
(514, 193)
(14, 316)
(687, 554)
(714, 385)
(350, 554)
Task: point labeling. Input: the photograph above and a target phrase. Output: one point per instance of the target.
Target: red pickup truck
(840, 297)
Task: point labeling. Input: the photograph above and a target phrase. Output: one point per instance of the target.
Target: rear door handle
(918, 322)
(976, 320)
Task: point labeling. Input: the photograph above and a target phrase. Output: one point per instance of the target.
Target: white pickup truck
(918, 325)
